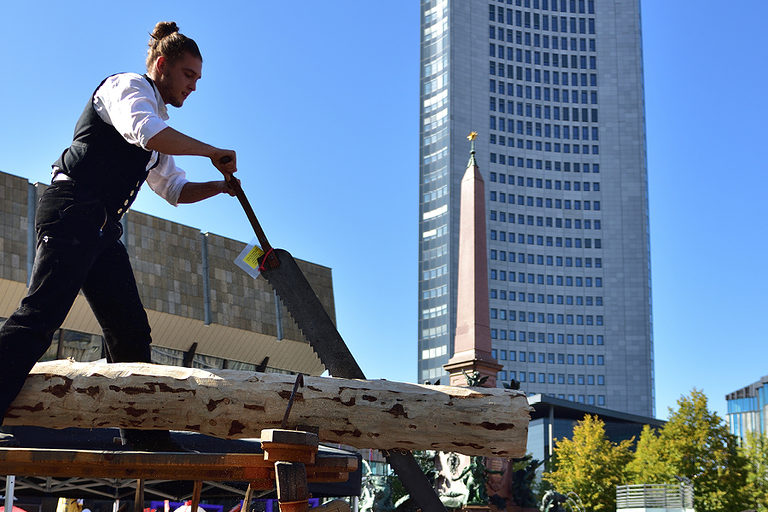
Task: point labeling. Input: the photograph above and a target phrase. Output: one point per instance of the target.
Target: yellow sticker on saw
(252, 258)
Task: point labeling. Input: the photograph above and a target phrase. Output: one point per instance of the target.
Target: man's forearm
(193, 192)
(172, 142)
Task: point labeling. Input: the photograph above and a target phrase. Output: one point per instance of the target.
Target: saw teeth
(324, 338)
(306, 338)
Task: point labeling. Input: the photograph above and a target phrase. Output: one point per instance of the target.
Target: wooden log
(236, 404)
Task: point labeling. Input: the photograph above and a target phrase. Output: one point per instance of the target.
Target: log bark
(236, 404)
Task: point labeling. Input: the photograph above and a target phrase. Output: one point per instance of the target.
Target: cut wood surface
(237, 404)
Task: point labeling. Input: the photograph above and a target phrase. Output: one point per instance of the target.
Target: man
(121, 140)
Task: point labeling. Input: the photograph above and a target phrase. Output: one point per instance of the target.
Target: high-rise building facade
(555, 90)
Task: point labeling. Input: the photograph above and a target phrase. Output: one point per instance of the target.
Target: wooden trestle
(261, 471)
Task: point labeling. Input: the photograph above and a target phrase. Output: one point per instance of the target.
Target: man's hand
(230, 186)
(225, 160)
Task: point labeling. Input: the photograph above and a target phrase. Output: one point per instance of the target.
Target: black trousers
(78, 247)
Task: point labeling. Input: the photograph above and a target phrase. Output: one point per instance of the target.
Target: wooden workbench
(289, 462)
(233, 467)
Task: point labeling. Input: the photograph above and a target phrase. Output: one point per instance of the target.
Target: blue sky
(320, 99)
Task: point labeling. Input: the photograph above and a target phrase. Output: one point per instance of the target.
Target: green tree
(755, 450)
(649, 464)
(695, 443)
(590, 465)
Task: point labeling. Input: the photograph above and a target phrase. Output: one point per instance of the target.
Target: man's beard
(167, 92)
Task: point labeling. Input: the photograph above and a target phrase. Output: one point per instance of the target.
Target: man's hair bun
(164, 29)
(166, 41)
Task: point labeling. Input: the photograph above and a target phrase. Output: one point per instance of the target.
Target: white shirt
(135, 108)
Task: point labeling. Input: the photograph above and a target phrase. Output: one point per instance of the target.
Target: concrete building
(195, 296)
(555, 90)
(748, 409)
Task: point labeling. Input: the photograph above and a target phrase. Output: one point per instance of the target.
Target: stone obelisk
(472, 344)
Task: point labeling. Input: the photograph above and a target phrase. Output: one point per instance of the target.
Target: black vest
(101, 160)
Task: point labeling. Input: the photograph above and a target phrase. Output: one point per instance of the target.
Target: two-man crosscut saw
(281, 271)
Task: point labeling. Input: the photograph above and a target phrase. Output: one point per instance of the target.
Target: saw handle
(269, 254)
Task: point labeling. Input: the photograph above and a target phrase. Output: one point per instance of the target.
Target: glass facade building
(555, 90)
(748, 409)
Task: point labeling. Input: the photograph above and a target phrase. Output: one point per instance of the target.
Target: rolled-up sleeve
(167, 180)
(128, 102)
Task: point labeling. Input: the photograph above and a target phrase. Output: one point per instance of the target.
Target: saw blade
(312, 319)
(309, 314)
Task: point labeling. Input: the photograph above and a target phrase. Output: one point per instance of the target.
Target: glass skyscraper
(555, 90)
